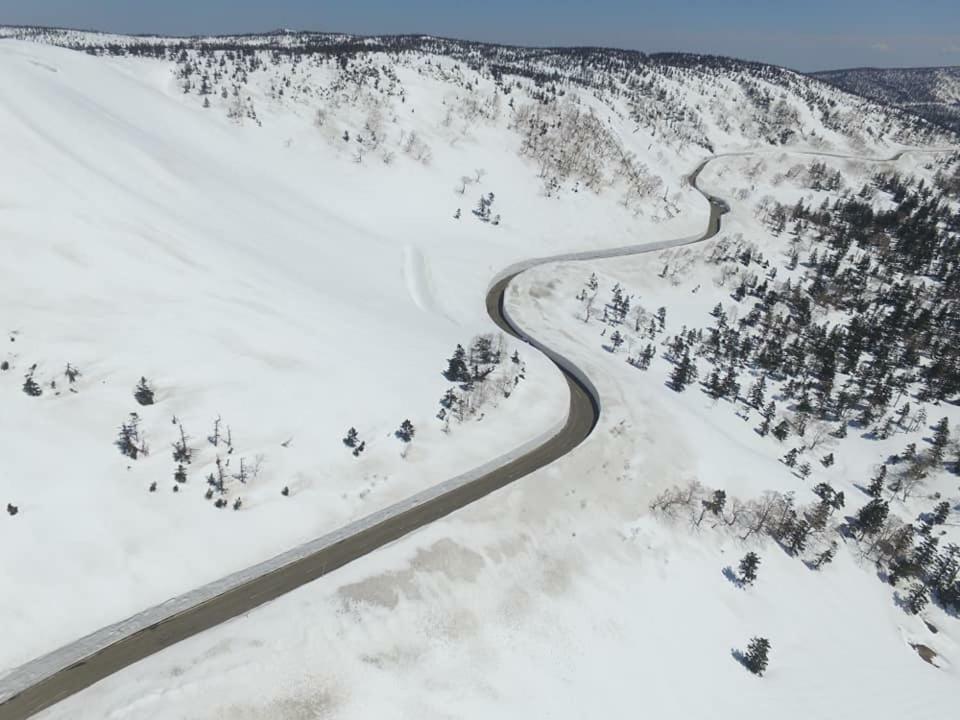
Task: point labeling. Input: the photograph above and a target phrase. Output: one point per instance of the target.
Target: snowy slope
(932, 93)
(257, 266)
(563, 596)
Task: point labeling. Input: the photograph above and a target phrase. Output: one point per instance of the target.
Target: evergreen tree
(616, 340)
(926, 552)
(143, 393)
(351, 438)
(872, 516)
(457, 370)
(731, 385)
(30, 386)
(129, 441)
(790, 459)
(824, 557)
(748, 568)
(941, 436)
(406, 431)
(684, 372)
(714, 386)
(796, 539)
(781, 431)
(181, 450)
(714, 505)
(917, 598)
(71, 373)
(940, 513)
(757, 655)
(946, 568)
(757, 392)
(876, 484)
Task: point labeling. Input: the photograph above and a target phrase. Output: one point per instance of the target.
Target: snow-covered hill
(566, 595)
(931, 93)
(279, 231)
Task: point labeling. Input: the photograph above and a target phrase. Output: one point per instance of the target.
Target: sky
(805, 35)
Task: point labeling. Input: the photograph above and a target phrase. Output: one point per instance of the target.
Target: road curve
(48, 680)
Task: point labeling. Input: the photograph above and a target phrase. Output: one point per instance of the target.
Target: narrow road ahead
(49, 679)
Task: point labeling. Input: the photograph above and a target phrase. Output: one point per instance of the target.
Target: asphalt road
(583, 417)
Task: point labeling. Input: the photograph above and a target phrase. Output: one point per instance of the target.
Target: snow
(259, 274)
(561, 596)
(251, 273)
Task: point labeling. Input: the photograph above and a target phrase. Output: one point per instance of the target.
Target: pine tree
(941, 436)
(781, 431)
(827, 460)
(926, 552)
(457, 370)
(748, 568)
(756, 657)
(406, 431)
(71, 373)
(714, 505)
(684, 372)
(790, 459)
(796, 539)
(129, 440)
(769, 413)
(940, 513)
(946, 568)
(143, 392)
(616, 340)
(876, 484)
(714, 386)
(917, 598)
(758, 391)
(824, 557)
(351, 438)
(30, 386)
(731, 385)
(181, 451)
(872, 516)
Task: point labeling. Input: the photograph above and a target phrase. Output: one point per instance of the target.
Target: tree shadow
(730, 575)
(739, 656)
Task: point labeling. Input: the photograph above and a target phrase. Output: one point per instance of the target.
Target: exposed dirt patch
(927, 653)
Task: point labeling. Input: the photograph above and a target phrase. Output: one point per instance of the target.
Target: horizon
(815, 38)
(308, 31)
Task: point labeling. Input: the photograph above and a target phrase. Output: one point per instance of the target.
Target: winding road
(51, 678)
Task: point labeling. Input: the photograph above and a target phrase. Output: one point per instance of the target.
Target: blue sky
(805, 34)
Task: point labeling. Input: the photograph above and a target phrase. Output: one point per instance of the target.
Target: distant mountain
(932, 93)
(685, 100)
